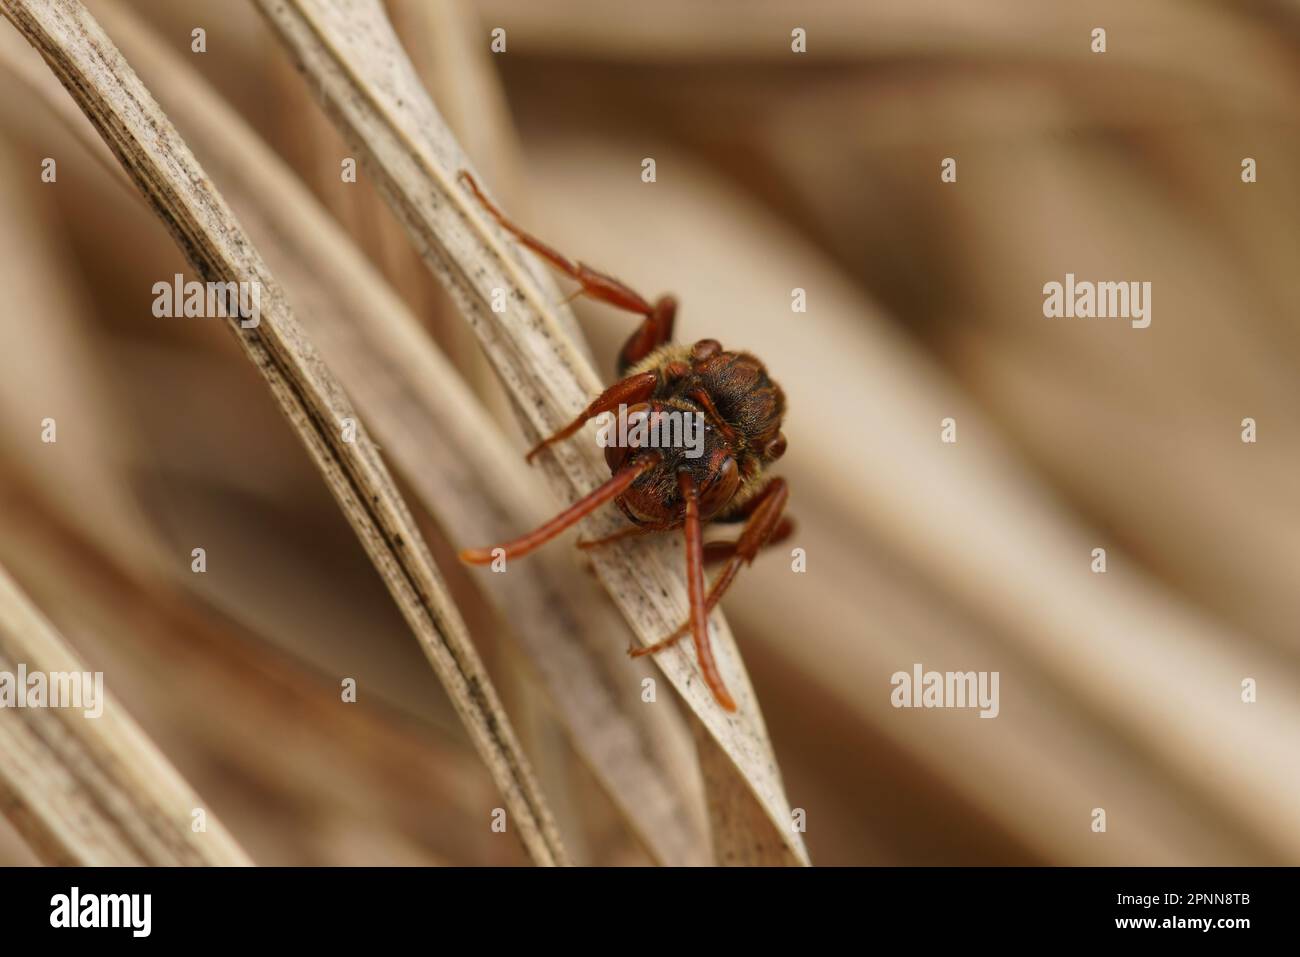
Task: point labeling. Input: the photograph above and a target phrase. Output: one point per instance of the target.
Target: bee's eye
(776, 448)
(721, 488)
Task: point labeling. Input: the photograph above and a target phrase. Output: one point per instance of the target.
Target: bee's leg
(611, 489)
(764, 521)
(699, 620)
(764, 525)
(630, 391)
(713, 551)
(721, 551)
(652, 333)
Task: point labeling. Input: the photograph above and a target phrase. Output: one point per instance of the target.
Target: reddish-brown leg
(629, 391)
(699, 620)
(763, 524)
(611, 489)
(652, 333)
(715, 552)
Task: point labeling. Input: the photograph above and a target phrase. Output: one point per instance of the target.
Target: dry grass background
(774, 171)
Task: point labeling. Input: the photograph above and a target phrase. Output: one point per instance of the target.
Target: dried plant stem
(456, 460)
(356, 66)
(149, 148)
(91, 791)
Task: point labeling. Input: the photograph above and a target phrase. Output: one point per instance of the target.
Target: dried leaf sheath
(89, 66)
(91, 791)
(356, 66)
(434, 432)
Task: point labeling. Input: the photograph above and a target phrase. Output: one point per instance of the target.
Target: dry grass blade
(457, 462)
(355, 64)
(147, 145)
(91, 790)
(361, 785)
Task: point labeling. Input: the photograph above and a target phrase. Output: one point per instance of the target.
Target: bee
(723, 478)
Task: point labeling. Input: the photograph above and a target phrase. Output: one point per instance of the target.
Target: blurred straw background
(775, 170)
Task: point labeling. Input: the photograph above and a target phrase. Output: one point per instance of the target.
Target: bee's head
(677, 439)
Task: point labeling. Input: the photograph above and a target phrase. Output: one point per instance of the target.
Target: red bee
(722, 478)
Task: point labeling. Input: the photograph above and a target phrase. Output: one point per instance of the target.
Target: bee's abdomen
(744, 394)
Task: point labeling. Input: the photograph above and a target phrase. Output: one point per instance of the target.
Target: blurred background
(775, 170)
